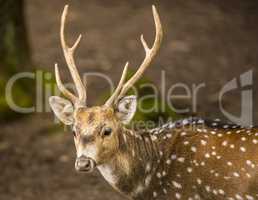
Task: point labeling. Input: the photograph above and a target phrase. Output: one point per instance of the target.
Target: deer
(189, 159)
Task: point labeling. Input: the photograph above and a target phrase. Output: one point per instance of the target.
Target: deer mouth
(85, 164)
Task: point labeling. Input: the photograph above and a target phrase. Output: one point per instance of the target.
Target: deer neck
(136, 154)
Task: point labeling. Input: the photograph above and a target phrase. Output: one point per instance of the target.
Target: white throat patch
(108, 173)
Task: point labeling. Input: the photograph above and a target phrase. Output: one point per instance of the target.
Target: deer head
(96, 129)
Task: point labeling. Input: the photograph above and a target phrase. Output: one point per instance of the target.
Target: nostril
(87, 164)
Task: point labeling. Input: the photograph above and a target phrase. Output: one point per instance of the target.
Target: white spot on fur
(181, 159)
(148, 167)
(177, 185)
(147, 180)
(139, 189)
(155, 194)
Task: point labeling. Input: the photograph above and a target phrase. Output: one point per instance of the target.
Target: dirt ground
(207, 42)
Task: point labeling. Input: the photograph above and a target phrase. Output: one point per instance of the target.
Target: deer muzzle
(85, 164)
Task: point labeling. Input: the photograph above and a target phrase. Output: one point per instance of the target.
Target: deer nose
(85, 164)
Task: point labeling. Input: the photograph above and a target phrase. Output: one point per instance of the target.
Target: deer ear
(63, 109)
(126, 108)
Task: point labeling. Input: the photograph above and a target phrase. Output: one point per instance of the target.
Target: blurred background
(209, 42)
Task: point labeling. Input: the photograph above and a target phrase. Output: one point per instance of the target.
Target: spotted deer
(188, 159)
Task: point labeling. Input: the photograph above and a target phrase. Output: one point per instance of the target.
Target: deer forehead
(93, 116)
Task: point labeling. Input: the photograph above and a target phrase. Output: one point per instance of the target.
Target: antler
(69, 57)
(119, 87)
(122, 89)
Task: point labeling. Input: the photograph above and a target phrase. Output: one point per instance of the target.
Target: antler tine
(69, 57)
(111, 100)
(62, 88)
(150, 54)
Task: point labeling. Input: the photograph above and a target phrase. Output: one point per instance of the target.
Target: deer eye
(107, 131)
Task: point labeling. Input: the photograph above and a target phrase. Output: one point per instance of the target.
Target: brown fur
(184, 162)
